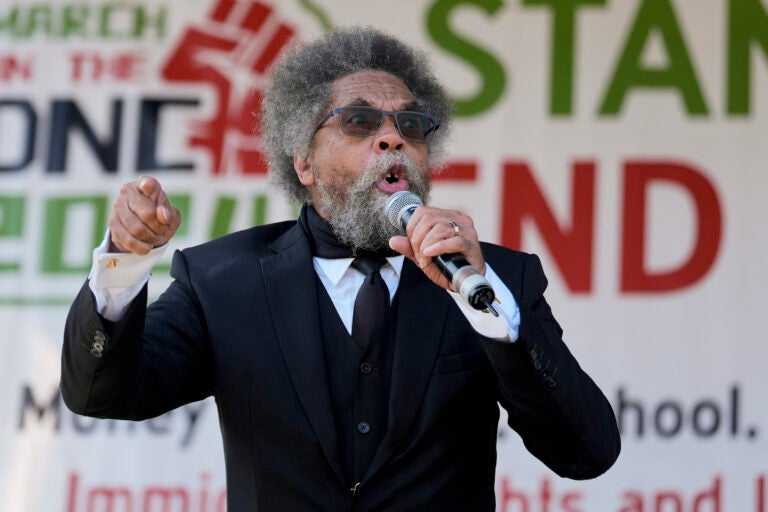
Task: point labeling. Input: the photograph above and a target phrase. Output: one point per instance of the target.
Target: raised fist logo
(231, 52)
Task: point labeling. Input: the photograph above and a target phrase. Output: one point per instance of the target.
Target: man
(318, 413)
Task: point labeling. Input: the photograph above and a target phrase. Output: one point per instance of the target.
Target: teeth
(391, 178)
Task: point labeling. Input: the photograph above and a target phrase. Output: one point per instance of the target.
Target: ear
(303, 169)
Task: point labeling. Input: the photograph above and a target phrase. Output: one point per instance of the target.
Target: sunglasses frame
(394, 114)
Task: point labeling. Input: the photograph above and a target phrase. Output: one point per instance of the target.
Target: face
(350, 178)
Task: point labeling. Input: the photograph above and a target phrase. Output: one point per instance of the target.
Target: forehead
(378, 88)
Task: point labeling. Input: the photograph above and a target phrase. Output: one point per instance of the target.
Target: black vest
(359, 382)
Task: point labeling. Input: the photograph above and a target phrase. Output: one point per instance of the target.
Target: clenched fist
(142, 217)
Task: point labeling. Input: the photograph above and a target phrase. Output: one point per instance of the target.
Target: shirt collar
(335, 268)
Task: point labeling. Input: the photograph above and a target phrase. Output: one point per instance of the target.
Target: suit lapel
(421, 317)
(290, 281)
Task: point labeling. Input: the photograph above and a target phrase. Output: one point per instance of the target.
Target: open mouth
(394, 173)
(393, 179)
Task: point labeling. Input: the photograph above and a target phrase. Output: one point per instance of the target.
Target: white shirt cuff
(117, 278)
(504, 327)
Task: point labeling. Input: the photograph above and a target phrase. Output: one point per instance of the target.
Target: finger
(402, 245)
(440, 246)
(124, 241)
(168, 214)
(419, 227)
(149, 187)
(136, 227)
(432, 227)
(444, 238)
(443, 231)
(470, 249)
(136, 213)
(145, 209)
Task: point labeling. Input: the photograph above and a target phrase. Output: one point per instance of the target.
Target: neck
(325, 243)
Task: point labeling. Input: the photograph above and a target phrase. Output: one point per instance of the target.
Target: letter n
(570, 246)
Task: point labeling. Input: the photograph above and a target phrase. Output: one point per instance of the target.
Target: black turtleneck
(323, 240)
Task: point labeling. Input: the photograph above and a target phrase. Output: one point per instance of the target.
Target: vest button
(365, 368)
(363, 427)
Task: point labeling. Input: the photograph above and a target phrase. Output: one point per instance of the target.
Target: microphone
(465, 279)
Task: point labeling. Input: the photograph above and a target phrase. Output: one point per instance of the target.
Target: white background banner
(624, 141)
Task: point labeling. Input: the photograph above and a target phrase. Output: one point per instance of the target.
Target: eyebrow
(360, 102)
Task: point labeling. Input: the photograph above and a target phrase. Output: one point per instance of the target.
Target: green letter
(747, 22)
(10, 21)
(108, 13)
(222, 218)
(11, 224)
(143, 21)
(75, 18)
(490, 69)
(259, 215)
(679, 74)
(38, 21)
(563, 44)
(225, 214)
(58, 231)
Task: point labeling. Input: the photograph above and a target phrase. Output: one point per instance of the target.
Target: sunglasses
(360, 121)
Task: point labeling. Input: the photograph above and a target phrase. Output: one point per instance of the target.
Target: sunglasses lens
(360, 122)
(365, 121)
(414, 126)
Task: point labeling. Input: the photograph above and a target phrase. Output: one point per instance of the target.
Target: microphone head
(400, 203)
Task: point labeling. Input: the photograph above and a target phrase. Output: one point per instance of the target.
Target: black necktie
(372, 302)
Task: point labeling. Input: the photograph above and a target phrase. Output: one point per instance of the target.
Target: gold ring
(455, 227)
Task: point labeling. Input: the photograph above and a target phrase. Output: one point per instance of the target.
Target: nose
(388, 137)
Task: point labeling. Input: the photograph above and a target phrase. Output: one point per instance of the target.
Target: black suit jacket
(240, 322)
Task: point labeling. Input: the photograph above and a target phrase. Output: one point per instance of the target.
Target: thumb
(402, 245)
(166, 213)
(163, 214)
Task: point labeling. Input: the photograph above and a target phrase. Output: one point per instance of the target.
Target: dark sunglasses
(362, 121)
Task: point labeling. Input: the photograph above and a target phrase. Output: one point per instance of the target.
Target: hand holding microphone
(433, 232)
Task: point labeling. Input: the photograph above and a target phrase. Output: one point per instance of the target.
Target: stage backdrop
(624, 141)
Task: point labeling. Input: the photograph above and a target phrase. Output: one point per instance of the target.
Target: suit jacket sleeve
(151, 361)
(562, 416)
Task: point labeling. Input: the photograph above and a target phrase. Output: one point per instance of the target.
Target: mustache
(382, 164)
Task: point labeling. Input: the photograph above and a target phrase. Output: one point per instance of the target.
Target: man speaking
(346, 377)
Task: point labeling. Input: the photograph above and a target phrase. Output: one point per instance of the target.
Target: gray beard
(356, 214)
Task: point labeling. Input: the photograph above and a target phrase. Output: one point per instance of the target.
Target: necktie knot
(368, 265)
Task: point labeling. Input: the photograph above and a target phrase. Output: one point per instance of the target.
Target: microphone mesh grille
(398, 203)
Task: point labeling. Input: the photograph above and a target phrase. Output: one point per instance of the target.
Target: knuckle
(138, 247)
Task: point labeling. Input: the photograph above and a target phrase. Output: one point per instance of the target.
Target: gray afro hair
(300, 93)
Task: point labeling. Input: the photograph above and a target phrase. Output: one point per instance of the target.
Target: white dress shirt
(117, 278)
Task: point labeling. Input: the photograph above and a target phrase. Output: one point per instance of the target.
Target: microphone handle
(450, 264)
(466, 280)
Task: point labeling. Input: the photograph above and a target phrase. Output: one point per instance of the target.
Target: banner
(625, 142)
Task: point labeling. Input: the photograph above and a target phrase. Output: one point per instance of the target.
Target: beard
(356, 208)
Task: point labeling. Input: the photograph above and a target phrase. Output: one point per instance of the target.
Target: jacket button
(97, 349)
(365, 368)
(363, 427)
